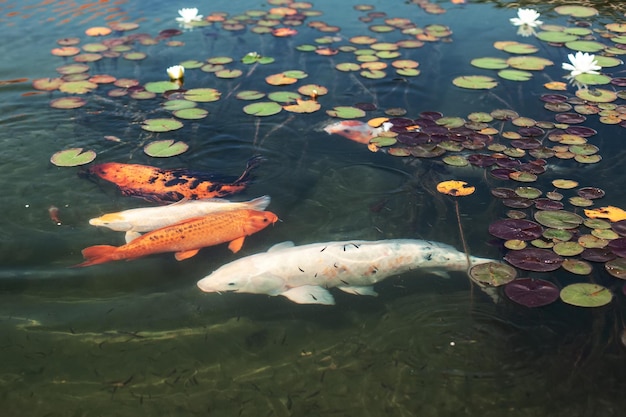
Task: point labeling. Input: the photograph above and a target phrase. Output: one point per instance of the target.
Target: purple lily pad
(583, 131)
(435, 130)
(502, 173)
(431, 115)
(501, 192)
(590, 193)
(547, 204)
(526, 144)
(366, 106)
(570, 118)
(534, 259)
(618, 246)
(619, 81)
(554, 98)
(481, 160)
(401, 121)
(508, 163)
(520, 229)
(536, 169)
(517, 202)
(531, 131)
(619, 227)
(532, 292)
(597, 255)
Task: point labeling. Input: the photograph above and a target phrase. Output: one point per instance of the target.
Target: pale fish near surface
(147, 219)
(303, 274)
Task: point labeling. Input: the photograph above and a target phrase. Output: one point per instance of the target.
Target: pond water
(139, 338)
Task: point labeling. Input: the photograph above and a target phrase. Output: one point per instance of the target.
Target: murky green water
(139, 338)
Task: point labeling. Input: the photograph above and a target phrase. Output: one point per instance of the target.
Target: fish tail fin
(253, 162)
(260, 203)
(98, 254)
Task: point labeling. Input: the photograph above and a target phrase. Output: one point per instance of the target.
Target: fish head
(113, 221)
(259, 220)
(352, 129)
(240, 276)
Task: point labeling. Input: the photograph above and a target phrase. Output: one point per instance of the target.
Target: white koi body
(304, 273)
(146, 219)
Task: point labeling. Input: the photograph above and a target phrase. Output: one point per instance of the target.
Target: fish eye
(231, 284)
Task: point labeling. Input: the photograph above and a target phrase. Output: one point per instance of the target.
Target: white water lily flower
(188, 15)
(176, 72)
(527, 17)
(581, 63)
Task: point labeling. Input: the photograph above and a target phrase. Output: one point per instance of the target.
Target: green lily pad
(220, 60)
(576, 11)
(78, 87)
(515, 75)
(556, 37)
(264, 108)
(557, 234)
(192, 64)
(382, 141)
(135, 56)
(250, 95)
(345, 112)
(161, 125)
(586, 295)
(284, 96)
(475, 82)
(229, 73)
(528, 192)
(296, 74)
(596, 95)
(72, 157)
(567, 248)
(455, 160)
(203, 95)
(558, 219)
(191, 113)
(68, 103)
(408, 72)
(373, 74)
(577, 266)
(303, 106)
(529, 63)
(593, 79)
(585, 46)
(160, 87)
(489, 63)
(520, 48)
(608, 61)
(173, 105)
(493, 273)
(165, 148)
(616, 267)
(450, 122)
(348, 66)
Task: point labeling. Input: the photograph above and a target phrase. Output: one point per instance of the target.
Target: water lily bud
(176, 72)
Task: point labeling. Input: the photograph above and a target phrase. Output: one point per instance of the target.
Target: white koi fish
(146, 219)
(303, 274)
(356, 130)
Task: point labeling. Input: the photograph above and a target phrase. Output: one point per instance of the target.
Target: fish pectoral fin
(359, 290)
(309, 294)
(181, 256)
(281, 246)
(441, 274)
(130, 236)
(235, 245)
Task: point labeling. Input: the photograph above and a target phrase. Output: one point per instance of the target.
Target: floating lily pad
(529, 63)
(556, 37)
(492, 273)
(265, 108)
(72, 157)
(313, 90)
(534, 259)
(558, 219)
(229, 73)
(567, 248)
(576, 11)
(161, 125)
(616, 267)
(383, 141)
(576, 266)
(531, 292)
(455, 188)
(515, 75)
(519, 48)
(515, 229)
(203, 95)
(489, 63)
(78, 87)
(348, 66)
(165, 148)
(68, 103)
(191, 113)
(173, 105)
(475, 82)
(345, 112)
(303, 106)
(586, 295)
(160, 87)
(585, 46)
(250, 95)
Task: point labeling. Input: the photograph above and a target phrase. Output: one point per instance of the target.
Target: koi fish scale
(162, 186)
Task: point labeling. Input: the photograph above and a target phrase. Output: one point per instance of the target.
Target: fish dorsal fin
(180, 256)
(359, 290)
(236, 245)
(282, 245)
(130, 236)
(309, 294)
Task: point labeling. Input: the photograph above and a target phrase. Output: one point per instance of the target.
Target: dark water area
(139, 337)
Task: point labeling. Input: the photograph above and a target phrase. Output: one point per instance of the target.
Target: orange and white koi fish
(168, 185)
(356, 130)
(187, 237)
(146, 219)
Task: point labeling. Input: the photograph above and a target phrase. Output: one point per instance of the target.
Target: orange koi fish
(167, 185)
(187, 237)
(355, 130)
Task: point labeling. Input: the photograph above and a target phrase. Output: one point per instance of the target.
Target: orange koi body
(167, 185)
(354, 130)
(187, 237)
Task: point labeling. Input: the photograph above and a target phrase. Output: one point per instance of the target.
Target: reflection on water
(138, 338)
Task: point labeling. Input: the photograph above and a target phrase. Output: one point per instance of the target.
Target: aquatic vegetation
(188, 15)
(527, 20)
(176, 72)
